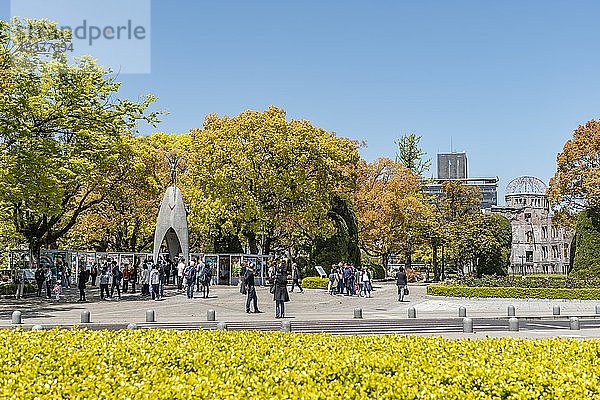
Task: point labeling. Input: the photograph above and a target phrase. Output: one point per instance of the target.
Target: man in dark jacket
(82, 278)
(39, 279)
(250, 289)
(279, 290)
(116, 280)
(401, 282)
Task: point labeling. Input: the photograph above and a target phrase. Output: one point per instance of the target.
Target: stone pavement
(313, 304)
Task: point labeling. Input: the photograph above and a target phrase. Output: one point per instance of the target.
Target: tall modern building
(453, 166)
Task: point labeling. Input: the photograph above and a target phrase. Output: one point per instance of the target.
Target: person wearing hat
(250, 289)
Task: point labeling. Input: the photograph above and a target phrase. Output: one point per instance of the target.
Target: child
(57, 290)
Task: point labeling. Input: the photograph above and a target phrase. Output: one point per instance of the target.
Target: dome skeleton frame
(526, 184)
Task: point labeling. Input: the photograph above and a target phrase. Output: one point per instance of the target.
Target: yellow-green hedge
(314, 282)
(514, 292)
(158, 364)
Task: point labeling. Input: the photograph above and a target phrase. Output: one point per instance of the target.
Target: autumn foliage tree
(392, 214)
(574, 193)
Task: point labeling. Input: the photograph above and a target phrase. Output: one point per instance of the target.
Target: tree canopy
(63, 135)
(265, 179)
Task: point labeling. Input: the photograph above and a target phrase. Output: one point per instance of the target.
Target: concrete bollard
(462, 312)
(358, 313)
(513, 324)
(37, 328)
(574, 324)
(210, 315)
(467, 325)
(150, 316)
(222, 326)
(556, 310)
(412, 312)
(511, 311)
(85, 317)
(286, 326)
(16, 318)
(132, 326)
(598, 309)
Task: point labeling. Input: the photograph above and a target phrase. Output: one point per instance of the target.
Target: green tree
(586, 262)
(63, 135)
(343, 245)
(266, 180)
(410, 155)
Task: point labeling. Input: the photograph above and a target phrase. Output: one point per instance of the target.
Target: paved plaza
(311, 305)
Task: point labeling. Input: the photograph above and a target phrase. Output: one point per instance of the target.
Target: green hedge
(7, 289)
(313, 282)
(514, 292)
(529, 281)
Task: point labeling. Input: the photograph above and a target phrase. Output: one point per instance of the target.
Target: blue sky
(507, 82)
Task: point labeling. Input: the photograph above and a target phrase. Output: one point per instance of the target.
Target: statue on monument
(173, 160)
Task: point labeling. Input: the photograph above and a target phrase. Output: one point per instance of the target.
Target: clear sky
(505, 81)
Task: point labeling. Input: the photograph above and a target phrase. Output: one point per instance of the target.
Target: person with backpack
(296, 277)
(206, 276)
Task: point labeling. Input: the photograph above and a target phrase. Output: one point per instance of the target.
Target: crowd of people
(345, 279)
(151, 278)
(113, 279)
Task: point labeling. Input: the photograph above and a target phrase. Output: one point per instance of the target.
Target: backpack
(189, 274)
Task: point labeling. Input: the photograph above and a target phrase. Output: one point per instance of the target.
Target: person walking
(155, 282)
(104, 282)
(82, 278)
(117, 275)
(279, 290)
(48, 280)
(296, 277)
(250, 289)
(401, 282)
(39, 280)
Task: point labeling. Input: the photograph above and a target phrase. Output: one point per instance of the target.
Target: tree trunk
(436, 267)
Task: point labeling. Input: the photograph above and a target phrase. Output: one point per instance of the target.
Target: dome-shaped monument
(526, 185)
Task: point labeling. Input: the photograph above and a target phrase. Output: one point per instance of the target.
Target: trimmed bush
(159, 364)
(514, 292)
(314, 282)
(530, 281)
(7, 289)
